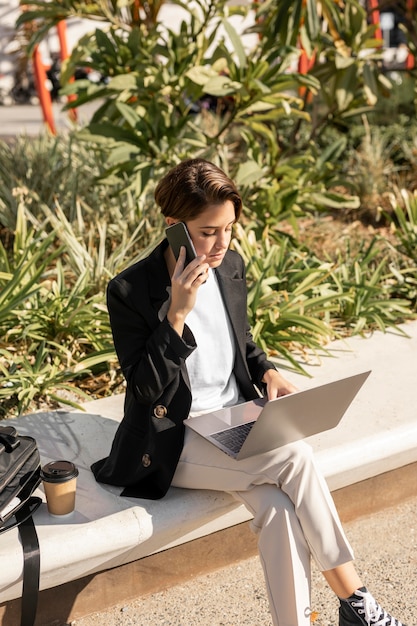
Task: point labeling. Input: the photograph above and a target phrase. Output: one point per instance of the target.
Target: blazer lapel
(232, 284)
(233, 290)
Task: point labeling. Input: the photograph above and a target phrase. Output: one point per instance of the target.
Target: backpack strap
(31, 562)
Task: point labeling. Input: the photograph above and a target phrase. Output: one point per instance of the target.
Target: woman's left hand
(277, 385)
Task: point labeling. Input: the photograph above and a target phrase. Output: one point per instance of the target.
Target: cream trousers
(294, 516)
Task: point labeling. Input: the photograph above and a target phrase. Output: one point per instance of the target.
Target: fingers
(277, 385)
(185, 282)
(195, 272)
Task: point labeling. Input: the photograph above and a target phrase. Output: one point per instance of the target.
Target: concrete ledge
(377, 434)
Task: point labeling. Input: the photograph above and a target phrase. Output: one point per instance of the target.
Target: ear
(170, 221)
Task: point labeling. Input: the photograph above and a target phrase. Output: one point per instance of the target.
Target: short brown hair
(193, 185)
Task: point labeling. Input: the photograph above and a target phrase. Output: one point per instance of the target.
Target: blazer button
(146, 460)
(160, 411)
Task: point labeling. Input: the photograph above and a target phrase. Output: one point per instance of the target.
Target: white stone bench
(377, 434)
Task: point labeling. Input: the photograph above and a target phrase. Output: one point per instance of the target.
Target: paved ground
(28, 120)
(386, 556)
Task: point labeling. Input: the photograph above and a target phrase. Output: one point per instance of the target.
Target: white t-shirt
(210, 366)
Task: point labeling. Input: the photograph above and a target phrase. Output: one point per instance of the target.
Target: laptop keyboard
(233, 438)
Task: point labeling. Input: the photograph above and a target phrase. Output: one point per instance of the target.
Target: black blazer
(149, 439)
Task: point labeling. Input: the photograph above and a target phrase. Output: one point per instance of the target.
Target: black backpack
(19, 477)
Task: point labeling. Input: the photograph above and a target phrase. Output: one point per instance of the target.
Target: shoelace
(374, 614)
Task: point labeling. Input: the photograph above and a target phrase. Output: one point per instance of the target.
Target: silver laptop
(258, 426)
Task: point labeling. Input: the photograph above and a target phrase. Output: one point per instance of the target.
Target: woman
(185, 348)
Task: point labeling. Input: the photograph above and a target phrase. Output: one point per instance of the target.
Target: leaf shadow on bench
(83, 438)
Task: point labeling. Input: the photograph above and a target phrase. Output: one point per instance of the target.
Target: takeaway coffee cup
(59, 481)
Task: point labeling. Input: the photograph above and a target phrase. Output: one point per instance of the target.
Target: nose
(223, 240)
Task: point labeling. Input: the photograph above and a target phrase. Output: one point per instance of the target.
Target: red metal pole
(375, 19)
(43, 93)
(410, 58)
(304, 66)
(62, 36)
(305, 63)
(136, 12)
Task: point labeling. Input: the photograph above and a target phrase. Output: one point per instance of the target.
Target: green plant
(53, 331)
(297, 303)
(368, 287)
(146, 122)
(100, 249)
(404, 224)
(369, 166)
(289, 300)
(32, 257)
(36, 378)
(290, 187)
(343, 52)
(35, 171)
(403, 219)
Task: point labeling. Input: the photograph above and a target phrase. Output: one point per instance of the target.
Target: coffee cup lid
(58, 471)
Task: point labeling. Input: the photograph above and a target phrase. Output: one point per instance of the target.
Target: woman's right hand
(185, 282)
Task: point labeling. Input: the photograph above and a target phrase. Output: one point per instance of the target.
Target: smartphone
(178, 236)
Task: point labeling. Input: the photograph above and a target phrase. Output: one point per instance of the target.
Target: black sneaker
(362, 609)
